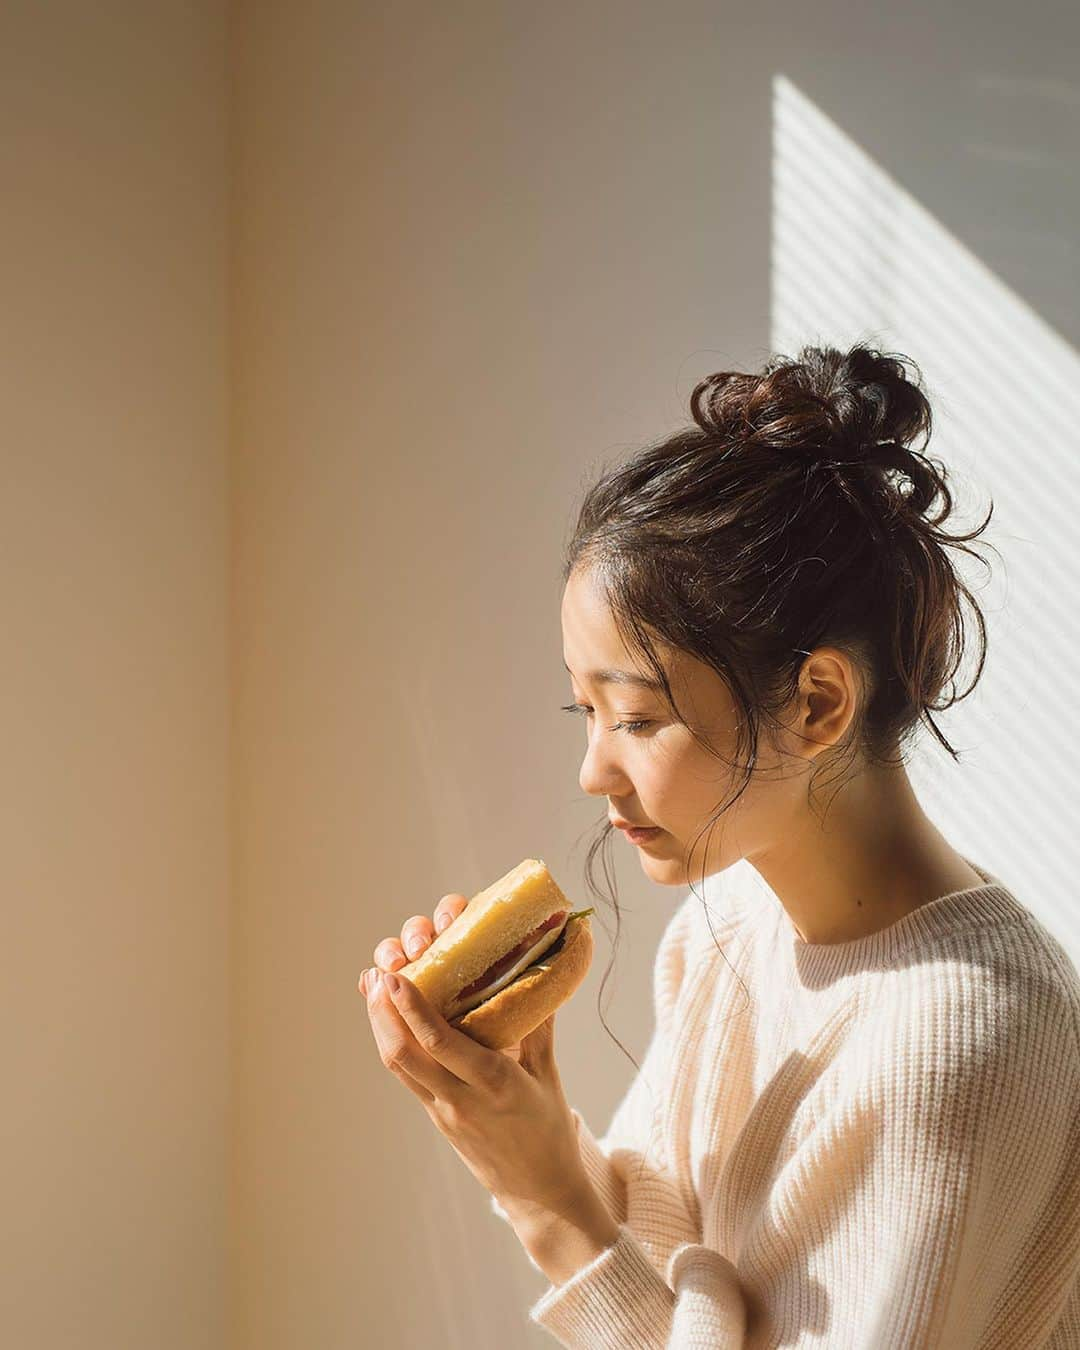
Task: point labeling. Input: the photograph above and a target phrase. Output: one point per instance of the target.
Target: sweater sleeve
(935, 1199)
(932, 1199)
(953, 1209)
(620, 1299)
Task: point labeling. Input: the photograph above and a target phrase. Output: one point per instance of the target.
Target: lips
(629, 825)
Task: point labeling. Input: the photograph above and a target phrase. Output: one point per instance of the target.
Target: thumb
(538, 1051)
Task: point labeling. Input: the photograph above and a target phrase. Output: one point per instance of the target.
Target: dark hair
(795, 512)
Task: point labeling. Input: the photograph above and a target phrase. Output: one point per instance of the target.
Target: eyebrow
(621, 677)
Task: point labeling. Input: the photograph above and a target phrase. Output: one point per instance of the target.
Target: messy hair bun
(796, 511)
(826, 404)
(856, 410)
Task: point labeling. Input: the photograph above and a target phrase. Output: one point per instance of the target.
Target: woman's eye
(584, 709)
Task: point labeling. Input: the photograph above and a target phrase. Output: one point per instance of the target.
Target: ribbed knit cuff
(617, 1300)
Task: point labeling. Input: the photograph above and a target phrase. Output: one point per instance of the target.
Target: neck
(876, 857)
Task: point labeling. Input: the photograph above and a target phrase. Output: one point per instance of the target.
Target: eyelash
(632, 727)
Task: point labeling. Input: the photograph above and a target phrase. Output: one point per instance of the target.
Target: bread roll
(515, 954)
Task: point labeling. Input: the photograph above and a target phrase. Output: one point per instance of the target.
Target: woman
(858, 1121)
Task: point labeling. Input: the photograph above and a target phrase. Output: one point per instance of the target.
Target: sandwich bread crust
(513, 1012)
(494, 922)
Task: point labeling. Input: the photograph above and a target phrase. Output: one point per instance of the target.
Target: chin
(664, 871)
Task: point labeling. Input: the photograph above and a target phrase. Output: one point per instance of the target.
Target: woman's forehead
(592, 644)
(595, 653)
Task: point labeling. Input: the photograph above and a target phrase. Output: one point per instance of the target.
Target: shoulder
(989, 1013)
(701, 929)
(1001, 979)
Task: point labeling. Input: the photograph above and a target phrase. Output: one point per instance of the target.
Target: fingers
(448, 909)
(414, 1037)
(538, 1050)
(418, 933)
(393, 1042)
(388, 955)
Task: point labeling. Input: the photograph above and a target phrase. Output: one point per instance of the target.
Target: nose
(600, 775)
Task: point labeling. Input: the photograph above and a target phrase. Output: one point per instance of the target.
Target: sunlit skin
(876, 857)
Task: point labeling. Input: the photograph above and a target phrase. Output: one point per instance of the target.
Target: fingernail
(391, 982)
(441, 922)
(414, 944)
(373, 984)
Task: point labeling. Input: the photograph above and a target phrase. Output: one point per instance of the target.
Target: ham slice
(507, 968)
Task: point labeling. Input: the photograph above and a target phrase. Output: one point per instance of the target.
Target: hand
(509, 1122)
(417, 934)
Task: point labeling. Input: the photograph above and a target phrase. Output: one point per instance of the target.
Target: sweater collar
(820, 963)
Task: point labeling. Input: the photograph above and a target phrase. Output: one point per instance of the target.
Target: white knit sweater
(871, 1144)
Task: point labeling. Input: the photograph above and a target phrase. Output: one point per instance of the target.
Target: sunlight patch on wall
(855, 257)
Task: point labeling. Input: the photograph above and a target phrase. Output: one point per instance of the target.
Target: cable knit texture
(871, 1144)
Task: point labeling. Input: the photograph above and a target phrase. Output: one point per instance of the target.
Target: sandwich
(514, 954)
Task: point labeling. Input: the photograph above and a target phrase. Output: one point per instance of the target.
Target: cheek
(696, 785)
(674, 781)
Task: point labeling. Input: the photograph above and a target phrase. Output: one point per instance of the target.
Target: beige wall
(475, 252)
(114, 714)
(456, 286)
(283, 653)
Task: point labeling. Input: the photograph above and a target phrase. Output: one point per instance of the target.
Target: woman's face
(657, 774)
